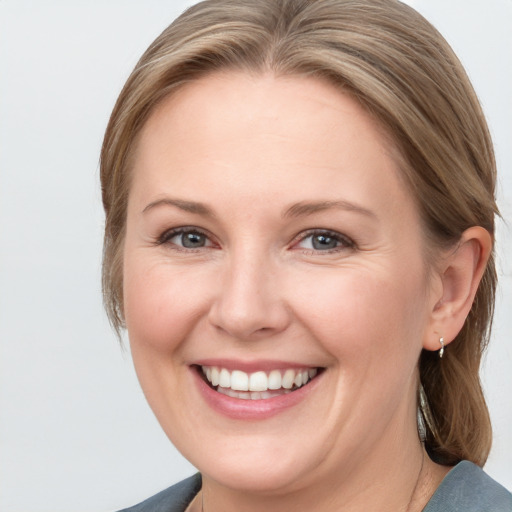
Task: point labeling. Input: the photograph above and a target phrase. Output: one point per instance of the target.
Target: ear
(459, 273)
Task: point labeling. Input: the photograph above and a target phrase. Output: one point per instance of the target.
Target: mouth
(258, 385)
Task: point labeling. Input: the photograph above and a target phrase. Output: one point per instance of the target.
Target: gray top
(174, 499)
(466, 488)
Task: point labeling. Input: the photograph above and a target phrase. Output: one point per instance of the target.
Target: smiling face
(272, 248)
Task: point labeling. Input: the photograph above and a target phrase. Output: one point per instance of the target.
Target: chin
(256, 471)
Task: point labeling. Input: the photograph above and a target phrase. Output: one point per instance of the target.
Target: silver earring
(441, 350)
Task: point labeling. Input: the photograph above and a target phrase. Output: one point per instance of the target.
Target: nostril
(247, 326)
(249, 304)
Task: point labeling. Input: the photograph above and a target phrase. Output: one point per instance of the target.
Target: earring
(441, 350)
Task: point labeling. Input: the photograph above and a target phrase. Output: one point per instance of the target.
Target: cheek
(372, 327)
(162, 304)
(364, 314)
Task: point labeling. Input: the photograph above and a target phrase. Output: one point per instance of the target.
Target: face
(275, 286)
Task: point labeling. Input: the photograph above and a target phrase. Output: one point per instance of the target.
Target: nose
(250, 303)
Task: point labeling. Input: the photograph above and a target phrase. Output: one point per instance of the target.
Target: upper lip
(253, 365)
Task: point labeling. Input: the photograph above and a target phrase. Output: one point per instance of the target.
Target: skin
(248, 148)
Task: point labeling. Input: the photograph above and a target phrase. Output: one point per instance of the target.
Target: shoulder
(467, 488)
(173, 499)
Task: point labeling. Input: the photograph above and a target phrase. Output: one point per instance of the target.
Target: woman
(299, 240)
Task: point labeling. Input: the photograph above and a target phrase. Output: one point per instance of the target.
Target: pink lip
(239, 409)
(251, 366)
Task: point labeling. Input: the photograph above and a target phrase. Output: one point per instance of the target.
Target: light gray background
(75, 431)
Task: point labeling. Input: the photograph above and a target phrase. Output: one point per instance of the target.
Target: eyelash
(167, 236)
(343, 241)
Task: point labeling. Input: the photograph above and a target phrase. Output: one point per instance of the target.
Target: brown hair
(404, 73)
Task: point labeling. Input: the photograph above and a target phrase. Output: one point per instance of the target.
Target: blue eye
(324, 241)
(192, 240)
(186, 238)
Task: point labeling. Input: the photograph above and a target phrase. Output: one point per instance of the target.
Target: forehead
(263, 135)
(258, 103)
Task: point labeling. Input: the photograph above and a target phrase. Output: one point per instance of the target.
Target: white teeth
(258, 385)
(288, 378)
(239, 381)
(224, 378)
(274, 379)
(252, 395)
(258, 381)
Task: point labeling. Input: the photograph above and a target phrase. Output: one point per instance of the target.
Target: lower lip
(240, 409)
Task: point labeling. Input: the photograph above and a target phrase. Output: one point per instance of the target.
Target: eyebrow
(307, 208)
(187, 206)
(301, 209)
